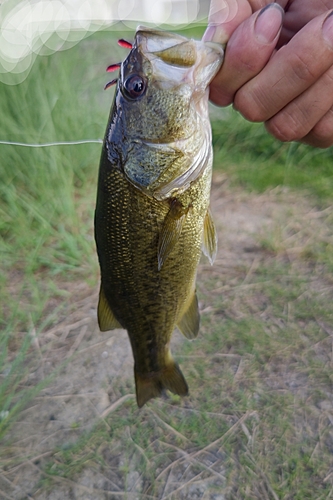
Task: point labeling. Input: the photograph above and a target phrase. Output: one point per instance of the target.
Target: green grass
(261, 370)
(46, 209)
(59, 101)
(257, 161)
(47, 195)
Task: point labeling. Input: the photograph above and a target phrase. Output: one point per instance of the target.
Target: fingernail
(215, 34)
(268, 23)
(220, 12)
(328, 28)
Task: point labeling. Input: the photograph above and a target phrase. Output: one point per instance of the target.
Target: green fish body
(152, 217)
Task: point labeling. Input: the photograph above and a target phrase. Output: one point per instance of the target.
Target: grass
(255, 160)
(257, 423)
(47, 195)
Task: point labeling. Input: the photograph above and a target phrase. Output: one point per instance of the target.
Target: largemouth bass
(152, 217)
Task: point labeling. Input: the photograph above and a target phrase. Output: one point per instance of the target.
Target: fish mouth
(177, 60)
(151, 40)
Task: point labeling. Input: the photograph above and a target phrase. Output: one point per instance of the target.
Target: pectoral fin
(171, 230)
(190, 322)
(209, 244)
(106, 319)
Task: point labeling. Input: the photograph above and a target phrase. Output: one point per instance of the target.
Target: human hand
(278, 67)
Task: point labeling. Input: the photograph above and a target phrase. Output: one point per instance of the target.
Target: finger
(292, 69)
(300, 116)
(224, 17)
(296, 18)
(248, 51)
(321, 136)
(285, 37)
(259, 4)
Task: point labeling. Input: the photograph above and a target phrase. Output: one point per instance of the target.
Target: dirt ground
(92, 363)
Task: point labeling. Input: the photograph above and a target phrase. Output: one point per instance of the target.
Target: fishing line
(69, 143)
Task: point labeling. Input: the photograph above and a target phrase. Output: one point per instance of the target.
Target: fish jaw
(177, 61)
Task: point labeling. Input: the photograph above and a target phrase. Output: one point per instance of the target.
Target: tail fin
(152, 385)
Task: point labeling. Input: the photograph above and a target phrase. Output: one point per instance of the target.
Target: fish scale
(150, 223)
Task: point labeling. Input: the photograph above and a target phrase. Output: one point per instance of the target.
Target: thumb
(224, 17)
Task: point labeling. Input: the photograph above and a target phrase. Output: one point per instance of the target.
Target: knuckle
(250, 65)
(285, 129)
(328, 77)
(322, 133)
(220, 97)
(283, 134)
(301, 69)
(327, 5)
(317, 143)
(250, 105)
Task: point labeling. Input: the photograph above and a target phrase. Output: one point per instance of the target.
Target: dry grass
(258, 421)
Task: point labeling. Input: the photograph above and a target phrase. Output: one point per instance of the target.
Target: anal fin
(190, 322)
(106, 319)
(209, 243)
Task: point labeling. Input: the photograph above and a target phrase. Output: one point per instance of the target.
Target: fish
(152, 217)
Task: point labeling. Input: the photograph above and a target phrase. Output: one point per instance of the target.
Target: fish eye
(134, 86)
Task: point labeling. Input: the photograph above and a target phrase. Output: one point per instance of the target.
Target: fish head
(163, 80)
(162, 110)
